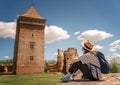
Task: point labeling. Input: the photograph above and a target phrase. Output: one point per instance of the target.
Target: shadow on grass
(83, 80)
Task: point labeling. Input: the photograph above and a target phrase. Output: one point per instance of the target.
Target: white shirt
(89, 58)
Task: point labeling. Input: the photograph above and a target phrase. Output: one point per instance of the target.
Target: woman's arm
(76, 60)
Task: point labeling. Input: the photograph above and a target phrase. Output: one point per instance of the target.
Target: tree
(8, 61)
(52, 62)
(114, 67)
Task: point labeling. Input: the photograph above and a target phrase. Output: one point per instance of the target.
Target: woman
(88, 64)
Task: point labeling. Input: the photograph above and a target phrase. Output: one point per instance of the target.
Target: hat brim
(86, 47)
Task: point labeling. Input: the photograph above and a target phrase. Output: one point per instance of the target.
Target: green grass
(37, 79)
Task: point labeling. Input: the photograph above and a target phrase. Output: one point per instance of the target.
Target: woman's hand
(75, 60)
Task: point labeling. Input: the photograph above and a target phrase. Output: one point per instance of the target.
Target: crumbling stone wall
(52, 68)
(69, 56)
(60, 60)
(6, 67)
(64, 60)
(1, 68)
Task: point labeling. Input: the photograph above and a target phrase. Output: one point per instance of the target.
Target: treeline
(114, 66)
(51, 62)
(8, 61)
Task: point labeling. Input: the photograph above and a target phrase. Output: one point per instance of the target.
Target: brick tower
(29, 43)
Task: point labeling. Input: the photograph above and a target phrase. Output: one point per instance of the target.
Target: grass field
(37, 79)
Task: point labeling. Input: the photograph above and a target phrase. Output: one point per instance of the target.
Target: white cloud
(112, 49)
(115, 45)
(94, 35)
(108, 57)
(6, 57)
(54, 54)
(52, 33)
(55, 33)
(7, 29)
(76, 33)
(98, 47)
(116, 55)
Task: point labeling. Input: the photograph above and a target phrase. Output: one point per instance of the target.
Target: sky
(69, 22)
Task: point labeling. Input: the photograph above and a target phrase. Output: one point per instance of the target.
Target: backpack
(104, 65)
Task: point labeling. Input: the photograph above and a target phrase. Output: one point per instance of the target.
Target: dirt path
(109, 79)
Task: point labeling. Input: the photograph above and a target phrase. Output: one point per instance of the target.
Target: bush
(45, 68)
(52, 62)
(114, 67)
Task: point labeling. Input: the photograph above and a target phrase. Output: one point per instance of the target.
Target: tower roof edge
(33, 13)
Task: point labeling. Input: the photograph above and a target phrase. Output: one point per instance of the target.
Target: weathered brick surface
(29, 59)
(6, 67)
(65, 58)
(1, 68)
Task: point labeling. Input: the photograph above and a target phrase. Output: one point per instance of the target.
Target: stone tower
(29, 43)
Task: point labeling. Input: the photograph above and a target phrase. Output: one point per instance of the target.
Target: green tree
(114, 67)
(8, 61)
(52, 62)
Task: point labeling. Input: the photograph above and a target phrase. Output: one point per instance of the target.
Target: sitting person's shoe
(67, 77)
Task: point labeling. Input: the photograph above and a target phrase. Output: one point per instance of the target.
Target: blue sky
(69, 22)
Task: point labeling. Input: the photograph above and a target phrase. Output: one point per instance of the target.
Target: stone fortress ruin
(64, 60)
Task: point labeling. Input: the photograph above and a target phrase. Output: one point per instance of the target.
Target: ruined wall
(69, 56)
(60, 59)
(64, 60)
(6, 67)
(1, 68)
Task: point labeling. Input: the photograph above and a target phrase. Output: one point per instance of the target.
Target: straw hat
(88, 45)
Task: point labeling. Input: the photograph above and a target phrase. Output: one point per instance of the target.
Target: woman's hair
(93, 52)
(85, 51)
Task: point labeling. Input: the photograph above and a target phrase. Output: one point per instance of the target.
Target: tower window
(32, 45)
(31, 58)
(32, 35)
(67, 58)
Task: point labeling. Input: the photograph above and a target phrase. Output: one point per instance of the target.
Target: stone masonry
(29, 43)
(64, 60)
